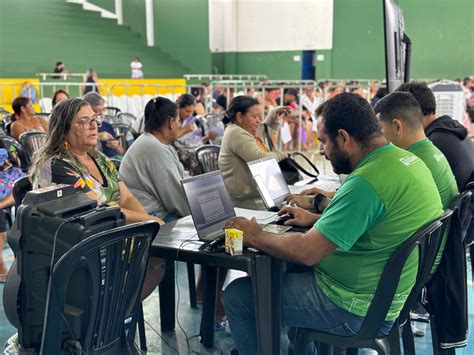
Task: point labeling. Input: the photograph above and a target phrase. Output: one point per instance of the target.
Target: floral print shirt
(62, 171)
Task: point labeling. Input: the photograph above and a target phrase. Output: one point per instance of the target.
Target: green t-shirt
(439, 167)
(443, 177)
(387, 198)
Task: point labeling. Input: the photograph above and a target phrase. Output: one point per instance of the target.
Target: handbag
(289, 167)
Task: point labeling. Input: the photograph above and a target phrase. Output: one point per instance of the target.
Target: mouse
(280, 220)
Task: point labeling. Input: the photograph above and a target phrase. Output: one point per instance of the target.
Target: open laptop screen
(270, 180)
(209, 202)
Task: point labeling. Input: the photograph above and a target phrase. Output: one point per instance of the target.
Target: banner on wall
(270, 25)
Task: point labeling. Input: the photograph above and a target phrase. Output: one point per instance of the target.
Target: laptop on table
(209, 203)
(270, 182)
(211, 206)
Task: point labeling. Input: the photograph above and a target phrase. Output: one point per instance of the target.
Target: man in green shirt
(402, 124)
(387, 197)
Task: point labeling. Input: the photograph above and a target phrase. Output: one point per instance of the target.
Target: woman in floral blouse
(70, 157)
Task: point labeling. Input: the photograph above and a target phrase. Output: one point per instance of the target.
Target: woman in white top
(136, 67)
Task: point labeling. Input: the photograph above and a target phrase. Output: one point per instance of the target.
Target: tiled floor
(185, 339)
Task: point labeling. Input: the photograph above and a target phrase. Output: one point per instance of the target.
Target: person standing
(90, 81)
(136, 67)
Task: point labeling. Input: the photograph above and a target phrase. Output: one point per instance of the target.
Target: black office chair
(112, 111)
(116, 262)
(15, 148)
(428, 239)
(207, 157)
(33, 141)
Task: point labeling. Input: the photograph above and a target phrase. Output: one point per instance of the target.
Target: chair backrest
(126, 118)
(121, 129)
(116, 263)
(33, 141)
(469, 218)
(207, 156)
(15, 148)
(20, 188)
(112, 111)
(428, 239)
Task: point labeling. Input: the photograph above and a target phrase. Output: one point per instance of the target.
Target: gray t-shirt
(152, 171)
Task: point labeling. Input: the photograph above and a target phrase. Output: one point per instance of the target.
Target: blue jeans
(303, 305)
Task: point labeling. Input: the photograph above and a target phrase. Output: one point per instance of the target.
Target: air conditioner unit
(450, 99)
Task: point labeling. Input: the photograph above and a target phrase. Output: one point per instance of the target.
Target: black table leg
(266, 282)
(167, 297)
(209, 293)
(192, 285)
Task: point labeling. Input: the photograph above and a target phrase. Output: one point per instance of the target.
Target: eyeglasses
(86, 122)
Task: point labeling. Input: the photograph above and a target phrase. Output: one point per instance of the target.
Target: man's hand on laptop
(250, 228)
(300, 201)
(301, 217)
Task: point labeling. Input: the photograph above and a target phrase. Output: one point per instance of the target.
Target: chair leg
(300, 342)
(471, 252)
(141, 327)
(408, 339)
(192, 285)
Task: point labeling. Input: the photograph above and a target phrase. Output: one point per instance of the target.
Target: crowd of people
(405, 166)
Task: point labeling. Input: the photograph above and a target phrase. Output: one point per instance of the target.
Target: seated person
(151, 168)
(241, 144)
(378, 207)
(448, 135)
(191, 134)
(110, 144)
(69, 157)
(402, 124)
(9, 173)
(58, 96)
(24, 118)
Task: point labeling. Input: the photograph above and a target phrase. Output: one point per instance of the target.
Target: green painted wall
(181, 29)
(441, 32)
(35, 34)
(134, 17)
(105, 4)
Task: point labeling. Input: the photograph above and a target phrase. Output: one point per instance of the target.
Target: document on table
(263, 217)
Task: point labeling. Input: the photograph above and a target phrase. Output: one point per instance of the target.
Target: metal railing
(213, 77)
(61, 76)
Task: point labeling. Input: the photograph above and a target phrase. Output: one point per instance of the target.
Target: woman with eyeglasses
(70, 157)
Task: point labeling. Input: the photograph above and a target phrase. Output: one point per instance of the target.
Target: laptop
(270, 181)
(211, 206)
(209, 203)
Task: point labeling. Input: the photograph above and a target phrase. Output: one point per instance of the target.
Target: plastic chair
(112, 111)
(207, 156)
(116, 262)
(33, 141)
(13, 146)
(456, 235)
(20, 188)
(428, 239)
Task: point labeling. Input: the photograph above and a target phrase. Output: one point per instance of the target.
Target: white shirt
(137, 72)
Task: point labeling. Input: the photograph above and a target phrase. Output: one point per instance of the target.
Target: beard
(341, 164)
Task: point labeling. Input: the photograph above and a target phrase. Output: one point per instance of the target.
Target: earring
(66, 145)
